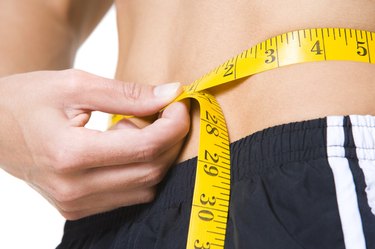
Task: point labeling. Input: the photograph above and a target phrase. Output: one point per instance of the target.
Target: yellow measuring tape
(208, 220)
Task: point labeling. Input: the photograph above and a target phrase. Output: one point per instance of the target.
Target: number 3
(271, 57)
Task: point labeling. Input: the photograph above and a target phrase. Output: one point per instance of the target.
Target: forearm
(44, 35)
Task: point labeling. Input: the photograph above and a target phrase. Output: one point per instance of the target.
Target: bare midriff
(179, 41)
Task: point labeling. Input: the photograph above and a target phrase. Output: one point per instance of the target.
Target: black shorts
(303, 185)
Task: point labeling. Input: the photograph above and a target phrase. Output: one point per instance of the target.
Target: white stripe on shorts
(345, 187)
(364, 138)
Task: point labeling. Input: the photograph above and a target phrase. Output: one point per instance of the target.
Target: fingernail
(167, 90)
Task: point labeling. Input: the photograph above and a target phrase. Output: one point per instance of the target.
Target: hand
(81, 171)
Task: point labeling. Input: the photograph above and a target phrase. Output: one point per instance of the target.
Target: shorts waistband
(253, 156)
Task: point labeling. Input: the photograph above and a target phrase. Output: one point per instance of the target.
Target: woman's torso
(166, 41)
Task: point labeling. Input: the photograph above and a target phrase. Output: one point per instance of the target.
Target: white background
(27, 221)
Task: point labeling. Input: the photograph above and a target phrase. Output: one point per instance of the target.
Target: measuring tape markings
(308, 45)
(212, 184)
(208, 219)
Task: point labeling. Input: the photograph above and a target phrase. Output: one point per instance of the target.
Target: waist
(287, 94)
(296, 93)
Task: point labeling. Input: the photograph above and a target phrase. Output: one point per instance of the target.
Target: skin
(42, 137)
(182, 40)
(164, 41)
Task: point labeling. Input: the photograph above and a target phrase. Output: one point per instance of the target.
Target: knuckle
(185, 124)
(149, 151)
(63, 158)
(131, 91)
(153, 177)
(70, 215)
(148, 195)
(66, 195)
(64, 162)
(67, 192)
(75, 74)
(73, 79)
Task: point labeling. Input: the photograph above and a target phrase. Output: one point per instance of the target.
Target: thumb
(113, 96)
(143, 99)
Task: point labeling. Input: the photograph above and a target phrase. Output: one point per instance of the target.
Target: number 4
(316, 48)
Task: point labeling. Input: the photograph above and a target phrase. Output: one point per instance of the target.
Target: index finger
(124, 146)
(114, 96)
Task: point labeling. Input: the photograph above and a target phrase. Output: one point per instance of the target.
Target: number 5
(362, 51)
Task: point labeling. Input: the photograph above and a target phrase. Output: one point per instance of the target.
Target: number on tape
(209, 214)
